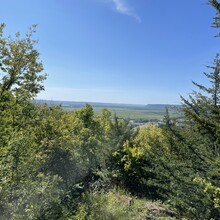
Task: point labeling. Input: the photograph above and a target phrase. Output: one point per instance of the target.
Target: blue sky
(118, 51)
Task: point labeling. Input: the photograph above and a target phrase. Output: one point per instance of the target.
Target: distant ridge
(75, 104)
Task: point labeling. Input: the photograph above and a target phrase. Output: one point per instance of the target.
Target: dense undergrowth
(63, 165)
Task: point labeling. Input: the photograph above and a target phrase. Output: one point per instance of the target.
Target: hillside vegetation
(57, 164)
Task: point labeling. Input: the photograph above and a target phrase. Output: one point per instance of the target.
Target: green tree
(20, 65)
(136, 162)
(216, 5)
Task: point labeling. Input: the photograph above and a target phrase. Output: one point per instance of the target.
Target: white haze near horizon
(109, 96)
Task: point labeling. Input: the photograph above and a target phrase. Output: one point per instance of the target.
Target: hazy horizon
(113, 103)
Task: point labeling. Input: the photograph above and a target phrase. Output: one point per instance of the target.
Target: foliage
(134, 163)
(47, 156)
(212, 191)
(216, 5)
(45, 152)
(20, 66)
(116, 204)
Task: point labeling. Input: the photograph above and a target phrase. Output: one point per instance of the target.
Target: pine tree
(202, 108)
(216, 5)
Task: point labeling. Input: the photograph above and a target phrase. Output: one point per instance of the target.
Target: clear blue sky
(118, 51)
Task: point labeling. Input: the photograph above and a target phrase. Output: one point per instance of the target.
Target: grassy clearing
(138, 114)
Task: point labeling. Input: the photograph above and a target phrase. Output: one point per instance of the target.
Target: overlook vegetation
(57, 164)
(136, 113)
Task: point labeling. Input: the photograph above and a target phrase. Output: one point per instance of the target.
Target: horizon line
(93, 102)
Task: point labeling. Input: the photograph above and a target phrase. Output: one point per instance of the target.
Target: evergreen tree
(216, 5)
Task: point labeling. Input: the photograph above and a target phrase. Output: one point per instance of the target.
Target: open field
(138, 113)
